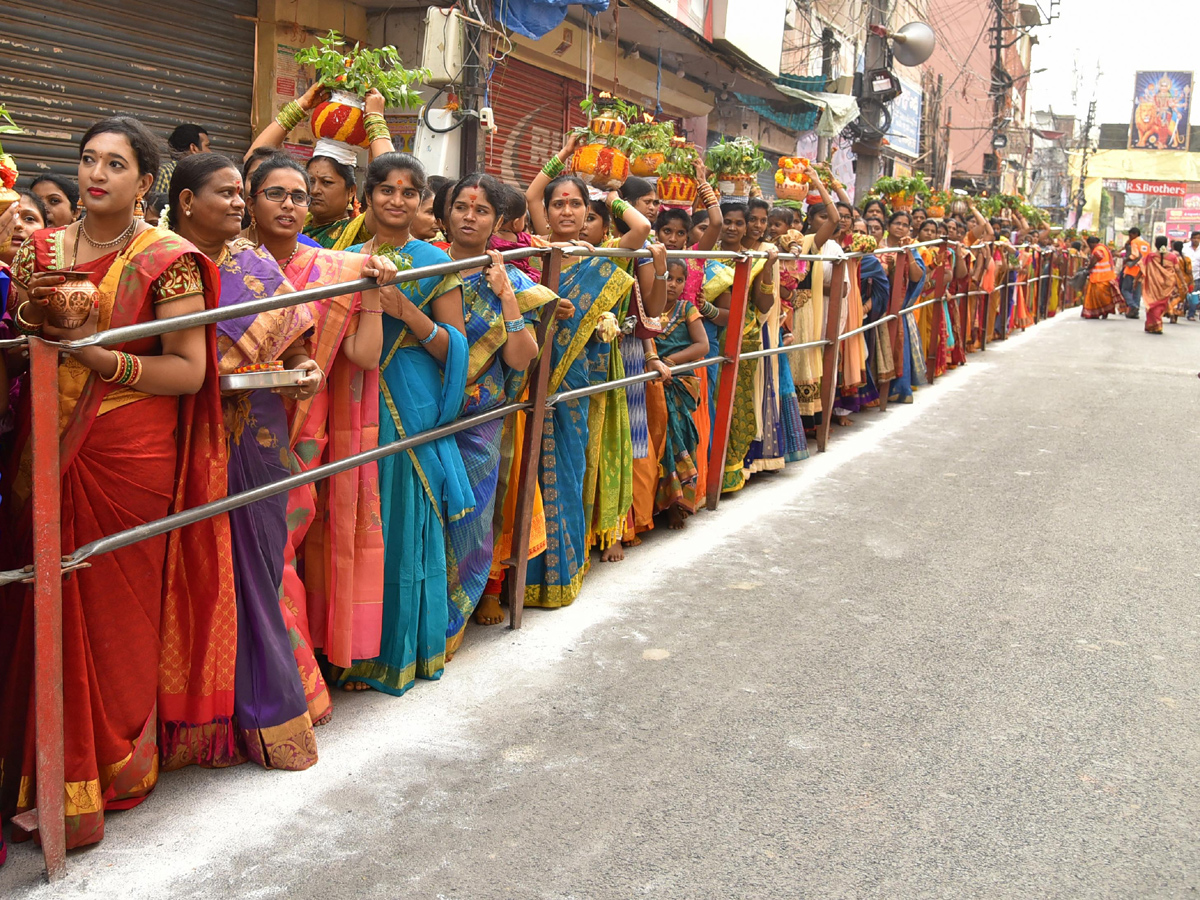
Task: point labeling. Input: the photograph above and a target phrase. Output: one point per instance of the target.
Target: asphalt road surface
(955, 656)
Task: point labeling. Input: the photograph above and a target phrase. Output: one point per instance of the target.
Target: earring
(188, 213)
(139, 208)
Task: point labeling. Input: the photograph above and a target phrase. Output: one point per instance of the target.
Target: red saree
(149, 631)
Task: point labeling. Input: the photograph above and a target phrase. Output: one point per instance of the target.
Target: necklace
(284, 263)
(104, 245)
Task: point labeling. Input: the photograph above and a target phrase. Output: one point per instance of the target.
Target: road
(955, 656)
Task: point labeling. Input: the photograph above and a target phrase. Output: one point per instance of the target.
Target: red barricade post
(49, 817)
(727, 384)
(830, 352)
(531, 450)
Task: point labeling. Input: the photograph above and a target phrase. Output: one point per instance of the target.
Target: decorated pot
(7, 198)
(790, 190)
(677, 190)
(601, 166)
(734, 185)
(340, 118)
(72, 301)
(935, 212)
(813, 198)
(607, 123)
(901, 201)
(646, 165)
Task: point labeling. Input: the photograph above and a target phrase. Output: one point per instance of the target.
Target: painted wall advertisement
(1161, 111)
(291, 81)
(904, 136)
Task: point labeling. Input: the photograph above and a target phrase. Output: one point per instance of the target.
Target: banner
(1153, 188)
(1161, 111)
(904, 135)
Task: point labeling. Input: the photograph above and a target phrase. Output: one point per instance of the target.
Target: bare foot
(676, 518)
(843, 420)
(488, 612)
(356, 686)
(324, 720)
(615, 553)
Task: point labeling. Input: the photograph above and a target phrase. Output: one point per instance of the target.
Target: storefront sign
(904, 136)
(1183, 216)
(1156, 188)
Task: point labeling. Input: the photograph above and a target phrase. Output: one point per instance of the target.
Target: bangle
(24, 325)
(128, 371)
(376, 127)
(619, 207)
(514, 326)
(651, 357)
(135, 370)
(554, 167)
(767, 286)
(290, 116)
(371, 312)
(429, 337)
(709, 310)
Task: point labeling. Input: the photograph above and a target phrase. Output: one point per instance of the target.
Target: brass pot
(71, 303)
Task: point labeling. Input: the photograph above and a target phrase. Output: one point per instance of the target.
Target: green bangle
(709, 310)
(290, 116)
(554, 167)
(619, 208)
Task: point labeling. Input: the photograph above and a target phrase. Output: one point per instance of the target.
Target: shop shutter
(68, 63)
(534, 109)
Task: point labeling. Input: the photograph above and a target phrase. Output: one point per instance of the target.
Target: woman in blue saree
(500, 308)
(913, 266)
(594, 286)
(422, 385)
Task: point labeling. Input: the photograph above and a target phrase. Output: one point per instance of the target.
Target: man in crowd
(185, 140)
(1131, 272)
(1192, 252)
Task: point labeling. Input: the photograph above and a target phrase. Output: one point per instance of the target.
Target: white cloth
(1193, 254)
(343, 153)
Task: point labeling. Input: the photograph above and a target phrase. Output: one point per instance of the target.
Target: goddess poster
(1161, 111)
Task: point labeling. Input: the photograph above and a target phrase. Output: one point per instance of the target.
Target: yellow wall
(294, 22)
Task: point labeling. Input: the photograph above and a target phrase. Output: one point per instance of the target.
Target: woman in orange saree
(333, 573)
(148, 631)
(1102, 295)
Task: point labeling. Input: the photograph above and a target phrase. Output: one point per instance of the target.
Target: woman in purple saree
(274, 725)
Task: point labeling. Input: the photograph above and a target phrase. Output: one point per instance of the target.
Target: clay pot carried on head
(791, 190)
(601, 167)
(678, 190)
(72, 301)
(646, 165)
(341, 118)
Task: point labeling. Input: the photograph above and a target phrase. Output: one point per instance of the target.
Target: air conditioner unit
(442, 49)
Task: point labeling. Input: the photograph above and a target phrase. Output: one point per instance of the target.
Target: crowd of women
(222, 641)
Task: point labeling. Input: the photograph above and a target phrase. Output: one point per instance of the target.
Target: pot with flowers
(902, 192)
(8, 169)
(652, 143)
(735, 165)
(825, 173)
(350, 74)
(791, 179)
(678, 184)
(602, 159)
(939, 202)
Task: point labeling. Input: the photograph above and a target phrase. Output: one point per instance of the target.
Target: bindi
(474, 197)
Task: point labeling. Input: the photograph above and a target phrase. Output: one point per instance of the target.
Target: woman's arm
(826, 231)
(447, 313)
(638, 225)
(374, 105)
(275, 134)
(365, 347)
(534, 194)
(708, 197)
(694, 351)
(652, 281)
(520, 347)
(762, 292)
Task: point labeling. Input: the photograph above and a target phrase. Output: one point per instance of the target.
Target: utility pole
(875, 53)
(1000, 83)
(1081, 195)
(828, 47)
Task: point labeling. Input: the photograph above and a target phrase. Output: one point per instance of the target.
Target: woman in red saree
(1161, 283)
(333, 577)
(149, 631)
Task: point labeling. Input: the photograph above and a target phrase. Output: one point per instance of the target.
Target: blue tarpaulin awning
(535, 18)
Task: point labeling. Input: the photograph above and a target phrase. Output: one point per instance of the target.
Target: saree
(808, 325)
(421, 490)
(333, 564)
(852, 357)
(1160, 283)
(341, 234)
(745, 425)
(148, 631)
(618, 429)
(876, 288)
(470, 537)
(595, 286)
(678, 472)
(707, 280)
(269, 699)
(1102, 294)
(911, 371)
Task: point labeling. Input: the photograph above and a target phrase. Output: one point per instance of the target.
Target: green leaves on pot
(736, 157)
(357, 70)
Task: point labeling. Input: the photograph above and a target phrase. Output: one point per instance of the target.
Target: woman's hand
(8, 223)
(373, 103)
(701, 171)
(395, 303)
(564, 309)
(570, 145)
(314, 97)
(87, 329)
(657, 365)
(658, 254)
(382, 269)
(41, 285)
(497, 275)
(310, 382)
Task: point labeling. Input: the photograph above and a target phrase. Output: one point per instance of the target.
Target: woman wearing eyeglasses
(339, 599)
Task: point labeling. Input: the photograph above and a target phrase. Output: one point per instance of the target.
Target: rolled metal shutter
(534, 109)
(68, 63)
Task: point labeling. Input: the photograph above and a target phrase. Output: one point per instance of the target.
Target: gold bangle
(23, 324)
